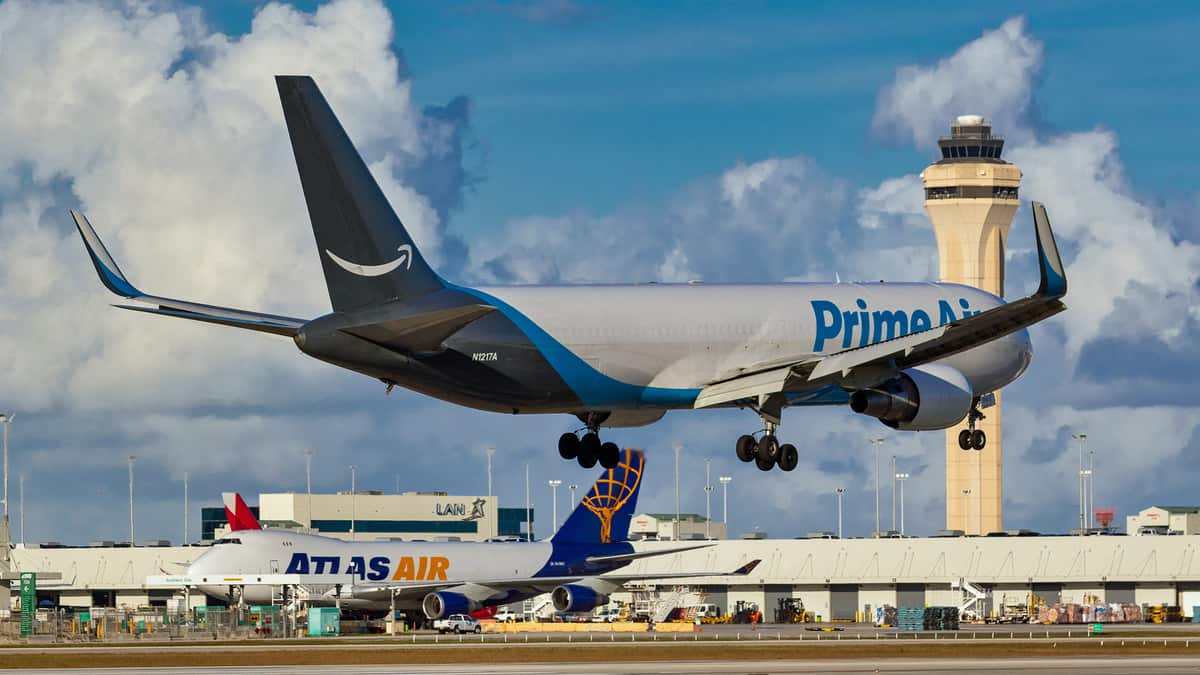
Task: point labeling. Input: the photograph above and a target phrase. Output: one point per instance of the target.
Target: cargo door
(1119, 592)
(843, 602)
(1051, 594)
(910, 595)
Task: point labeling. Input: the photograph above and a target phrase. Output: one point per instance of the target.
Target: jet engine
(442, 604)
(932, 396)
(576, 598)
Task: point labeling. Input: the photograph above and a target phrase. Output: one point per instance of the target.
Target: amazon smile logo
(405, 258)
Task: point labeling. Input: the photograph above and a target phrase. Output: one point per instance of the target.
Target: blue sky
(611, 103)
(562, 141)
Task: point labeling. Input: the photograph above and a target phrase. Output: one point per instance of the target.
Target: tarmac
(1141, 665)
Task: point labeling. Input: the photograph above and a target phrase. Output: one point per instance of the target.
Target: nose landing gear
(765, 451)
(588, 449)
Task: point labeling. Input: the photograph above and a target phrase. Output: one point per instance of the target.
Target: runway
(1141, 665)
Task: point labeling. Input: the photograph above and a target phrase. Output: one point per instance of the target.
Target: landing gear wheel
(589, 449)
(788, 457)
(978, 439)
(747, 447)
(610, 455)
(768, 449)
(764, 464)
(964, 439)
(568, 446)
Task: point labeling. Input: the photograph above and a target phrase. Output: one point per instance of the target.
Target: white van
(606, 614)
(708, 611)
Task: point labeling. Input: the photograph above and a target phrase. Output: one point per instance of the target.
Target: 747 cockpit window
(227, 540)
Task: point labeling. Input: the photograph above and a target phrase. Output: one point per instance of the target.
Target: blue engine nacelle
(576, 598)
(441, 604)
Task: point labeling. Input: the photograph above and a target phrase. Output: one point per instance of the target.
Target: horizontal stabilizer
(115, 281)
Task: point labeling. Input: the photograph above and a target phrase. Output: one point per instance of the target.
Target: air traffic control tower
(971, 196)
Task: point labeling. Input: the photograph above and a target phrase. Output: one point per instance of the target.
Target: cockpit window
(227, 540)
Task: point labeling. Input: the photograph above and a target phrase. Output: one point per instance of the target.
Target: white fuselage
(325, 561)
(677, 338)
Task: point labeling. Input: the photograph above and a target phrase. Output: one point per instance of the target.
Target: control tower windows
(971, 192)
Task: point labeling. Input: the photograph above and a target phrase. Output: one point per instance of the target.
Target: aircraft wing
(115, 281)
(883, 359)
(407, 592)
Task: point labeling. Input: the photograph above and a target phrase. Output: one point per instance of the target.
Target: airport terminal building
(838, 579)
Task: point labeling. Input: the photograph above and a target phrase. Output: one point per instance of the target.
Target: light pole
(21, 505)
(6, 419)
(678, 449)
(1082, 438)
(353, 498)
(725, 502)
(308, 455)
(840, 492)
(1091, 488)
(490, 450)
(185, 508)
(554, 483)
(131, 539)
(893, 493)
(1087, 482)
(876, 442)
(573, 487)
(708, 488)
(901, 477)
(528, 508)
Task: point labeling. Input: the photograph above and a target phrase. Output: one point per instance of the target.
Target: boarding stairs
(972, 600)
(538, 607)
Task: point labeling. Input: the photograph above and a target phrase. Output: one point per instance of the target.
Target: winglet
(1054, 276)
(110, 275)
(238, 513)
(745, 569)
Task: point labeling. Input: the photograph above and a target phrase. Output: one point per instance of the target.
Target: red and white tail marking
(238, 514)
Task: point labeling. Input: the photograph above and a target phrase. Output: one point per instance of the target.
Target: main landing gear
(972, 438)
(587, 448)
(765, 451)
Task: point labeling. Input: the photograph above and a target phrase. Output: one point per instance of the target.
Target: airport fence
(109, 624)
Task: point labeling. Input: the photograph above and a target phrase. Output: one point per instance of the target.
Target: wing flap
(745, 387)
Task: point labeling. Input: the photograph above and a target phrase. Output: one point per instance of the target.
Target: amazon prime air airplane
(916, 356)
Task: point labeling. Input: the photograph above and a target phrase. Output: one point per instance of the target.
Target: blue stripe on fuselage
(594, 389)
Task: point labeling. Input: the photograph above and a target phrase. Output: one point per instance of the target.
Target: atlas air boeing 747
(916, 356)
(579, 566)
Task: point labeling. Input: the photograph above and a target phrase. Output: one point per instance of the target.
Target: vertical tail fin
(238, 513)
(367, 255)
(604, 514)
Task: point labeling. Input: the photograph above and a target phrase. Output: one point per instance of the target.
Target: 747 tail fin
(238, 514)
(604, 514)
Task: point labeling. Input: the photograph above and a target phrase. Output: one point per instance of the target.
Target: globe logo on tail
(613, 489)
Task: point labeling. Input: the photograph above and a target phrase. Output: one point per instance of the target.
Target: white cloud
(895, 201)
(992, 76)
(171, 138)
